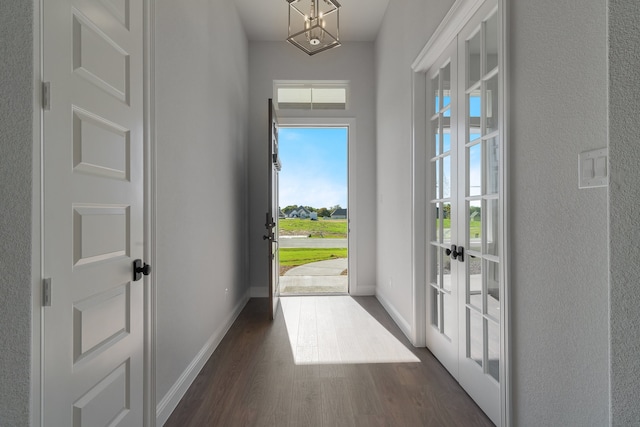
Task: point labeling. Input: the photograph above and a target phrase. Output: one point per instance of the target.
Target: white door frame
(37, 217)
(447, 31)
(350, 124)
(150, 197)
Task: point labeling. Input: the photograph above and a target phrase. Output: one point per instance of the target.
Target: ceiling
(266, 20)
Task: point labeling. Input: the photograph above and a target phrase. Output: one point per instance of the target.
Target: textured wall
(280, 61)
(624, 209)
(201, 105)
(16, 142)
(558, 232)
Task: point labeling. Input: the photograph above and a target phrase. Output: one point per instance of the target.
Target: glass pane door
(464, 286)
(479, 204)
(442, 298)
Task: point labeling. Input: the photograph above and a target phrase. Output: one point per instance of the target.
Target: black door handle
(140, 268)
(456, 252)
(452, 252)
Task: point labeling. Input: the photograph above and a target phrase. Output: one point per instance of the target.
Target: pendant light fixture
(314, 25)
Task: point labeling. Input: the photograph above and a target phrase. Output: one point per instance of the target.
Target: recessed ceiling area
(266, 20)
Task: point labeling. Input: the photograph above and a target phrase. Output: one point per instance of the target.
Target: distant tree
(333, 208)
(289, 208)
(447, 211)
(324, 212)
(310, 209)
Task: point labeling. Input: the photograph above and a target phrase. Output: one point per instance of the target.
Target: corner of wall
(16, 173)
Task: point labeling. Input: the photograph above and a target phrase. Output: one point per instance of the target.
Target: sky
(314, 167)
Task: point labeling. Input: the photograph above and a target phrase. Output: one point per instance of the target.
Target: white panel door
(93, 213)
(465, 201)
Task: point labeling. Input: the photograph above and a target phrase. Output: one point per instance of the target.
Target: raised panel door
(93, 213)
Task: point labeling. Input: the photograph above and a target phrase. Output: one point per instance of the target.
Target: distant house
(281, 214)
(301, 213)
(340, 213)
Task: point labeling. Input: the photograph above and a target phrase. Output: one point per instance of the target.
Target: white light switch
(592, 169)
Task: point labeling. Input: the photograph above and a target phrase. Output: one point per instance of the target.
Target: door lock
(140, 268)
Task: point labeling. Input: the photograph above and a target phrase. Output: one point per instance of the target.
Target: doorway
(466, 299)
(313, 211)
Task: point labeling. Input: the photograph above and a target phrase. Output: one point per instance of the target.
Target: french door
(464, 251)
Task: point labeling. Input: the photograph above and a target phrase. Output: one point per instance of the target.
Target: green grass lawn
(475, 227)
(322, 228)
(299, 256)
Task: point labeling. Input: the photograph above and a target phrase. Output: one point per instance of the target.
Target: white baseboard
(259, 292)
(170, 401)
(364, 291)
(404, 326)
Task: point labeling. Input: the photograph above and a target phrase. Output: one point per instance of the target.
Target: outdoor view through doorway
(313, 214)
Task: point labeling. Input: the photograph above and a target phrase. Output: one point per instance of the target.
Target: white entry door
(465, 255)
(93, 213)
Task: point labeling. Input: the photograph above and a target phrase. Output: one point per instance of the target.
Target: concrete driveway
(316, 277)
(305, 242)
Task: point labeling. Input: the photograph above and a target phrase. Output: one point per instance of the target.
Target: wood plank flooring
(252, 380)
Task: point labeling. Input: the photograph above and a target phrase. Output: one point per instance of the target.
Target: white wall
(201, 106)
(16, 145)
(271, 61)
(559, 233)
(624, 209)
(405, 30)
(559, 240)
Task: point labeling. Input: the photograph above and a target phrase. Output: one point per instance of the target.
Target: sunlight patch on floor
(337, 330)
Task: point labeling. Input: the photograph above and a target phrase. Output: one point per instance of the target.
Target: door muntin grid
(482, 215)
(443, 313)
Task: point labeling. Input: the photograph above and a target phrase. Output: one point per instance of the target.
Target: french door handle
(452, 252)
(456, 252)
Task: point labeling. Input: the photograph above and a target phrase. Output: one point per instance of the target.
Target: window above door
(311, 95)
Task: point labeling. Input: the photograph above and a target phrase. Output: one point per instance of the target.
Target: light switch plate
(593, 169)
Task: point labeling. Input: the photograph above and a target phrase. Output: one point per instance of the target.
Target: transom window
(311, 95)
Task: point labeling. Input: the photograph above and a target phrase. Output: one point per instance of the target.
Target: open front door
(271, 222)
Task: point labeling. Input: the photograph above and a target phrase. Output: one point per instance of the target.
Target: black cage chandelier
(314, 25)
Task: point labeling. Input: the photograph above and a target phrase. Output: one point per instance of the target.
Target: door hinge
(46, 96)
(46, 292)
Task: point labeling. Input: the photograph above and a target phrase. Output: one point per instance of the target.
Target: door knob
(452, 252)
(456, 252)
(140, 268)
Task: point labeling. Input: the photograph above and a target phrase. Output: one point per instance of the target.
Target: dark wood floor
(251, 380)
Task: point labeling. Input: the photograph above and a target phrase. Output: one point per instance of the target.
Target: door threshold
(317, 294)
